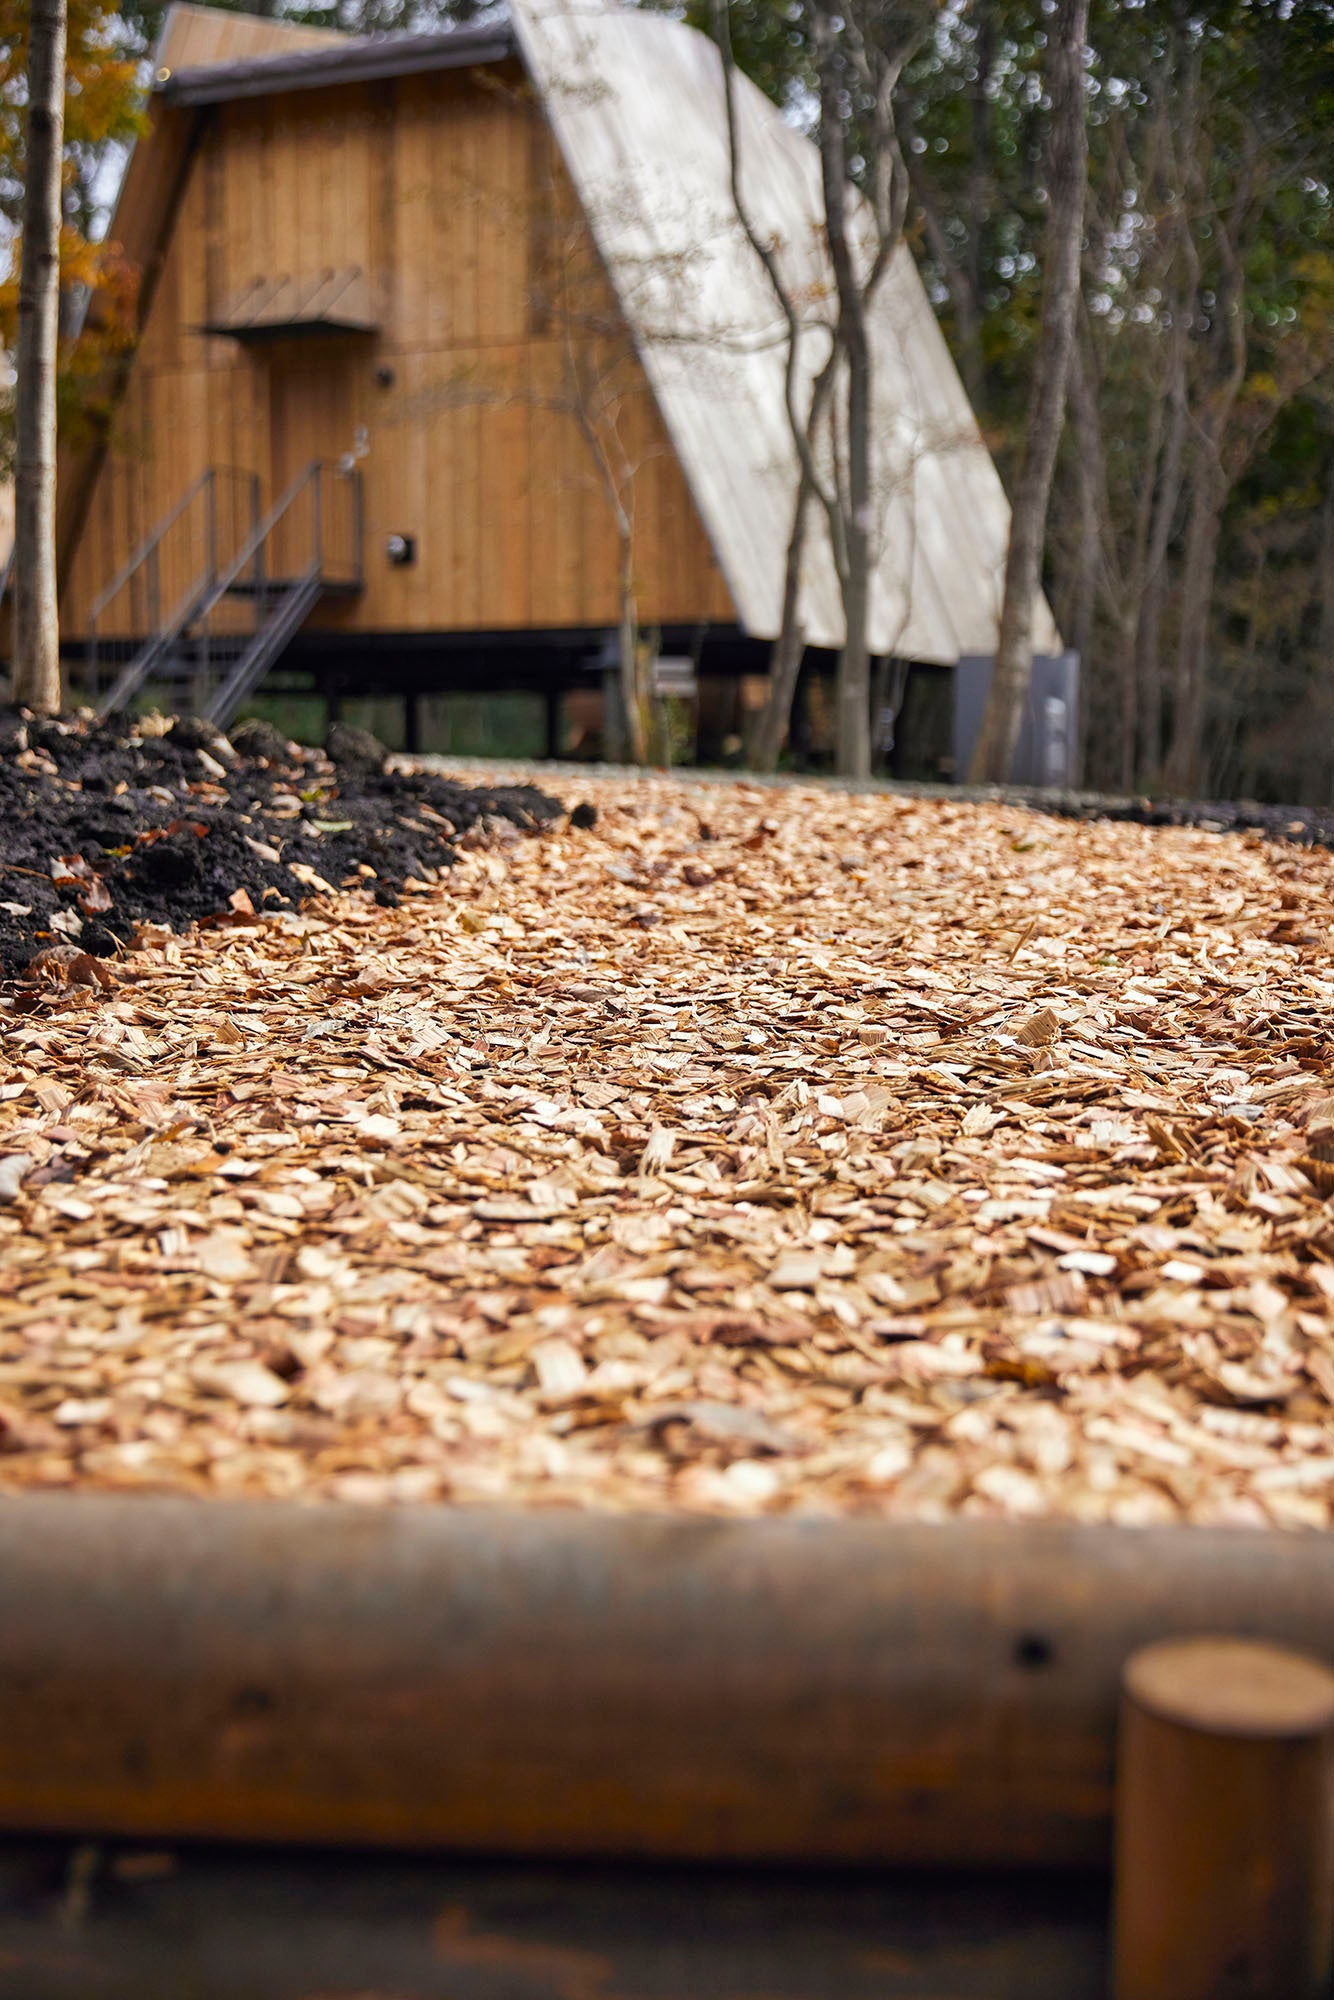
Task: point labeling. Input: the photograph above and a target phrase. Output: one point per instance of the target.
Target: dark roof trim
(361, 61)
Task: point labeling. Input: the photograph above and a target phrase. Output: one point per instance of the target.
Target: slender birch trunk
(36, 623)
(789, 648)
(852, 732)
(1067, 187)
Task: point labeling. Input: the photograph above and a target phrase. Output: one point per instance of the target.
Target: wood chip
(1038, 1030)
(245, 1382)
(507, 1194)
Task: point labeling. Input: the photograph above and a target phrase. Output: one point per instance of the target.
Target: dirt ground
(751, 1150)
(101, 831)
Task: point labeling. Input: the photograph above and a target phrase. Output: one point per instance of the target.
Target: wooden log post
(1225, 1824)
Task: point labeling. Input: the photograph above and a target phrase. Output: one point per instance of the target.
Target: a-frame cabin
(446, 341)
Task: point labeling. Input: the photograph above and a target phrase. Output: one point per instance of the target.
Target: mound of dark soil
(1304, 826)
(1308, 826)
(102, 830)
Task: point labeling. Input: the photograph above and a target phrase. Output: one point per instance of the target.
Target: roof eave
(367, 61)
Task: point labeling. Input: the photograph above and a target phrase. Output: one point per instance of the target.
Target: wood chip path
(758, 1150)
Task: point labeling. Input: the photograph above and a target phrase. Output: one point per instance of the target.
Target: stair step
(263, 586)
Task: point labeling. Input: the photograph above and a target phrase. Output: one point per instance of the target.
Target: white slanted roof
(636, 103)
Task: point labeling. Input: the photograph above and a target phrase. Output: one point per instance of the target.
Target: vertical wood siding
(447, 191)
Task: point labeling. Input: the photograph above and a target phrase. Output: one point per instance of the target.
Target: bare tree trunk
(1181, 136)
(1322, 776)
(789, 647)
(594, 411)
(1079, 617)
(1215, 471)
(1232, 750)
(981, 192)
(36, 620)
(849, 67)
(1148, 667)
(967, 310)
(1147, 640)
(852, 734)
(632, 667)
(851, 512)
(1184, 770)
(1083, 635)
(1324, 645)
(1067, 187)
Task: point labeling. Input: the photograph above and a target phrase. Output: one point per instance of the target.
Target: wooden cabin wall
(447, 190)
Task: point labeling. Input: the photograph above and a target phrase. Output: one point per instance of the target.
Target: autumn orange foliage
(103, 109)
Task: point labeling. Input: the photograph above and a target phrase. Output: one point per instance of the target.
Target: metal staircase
(238, 585)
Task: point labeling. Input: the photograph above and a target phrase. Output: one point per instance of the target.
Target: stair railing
(337, 535)
(323, 559)
(335, 558)
(146, 563)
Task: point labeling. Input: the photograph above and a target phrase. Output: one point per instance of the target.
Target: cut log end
(1232, 1687)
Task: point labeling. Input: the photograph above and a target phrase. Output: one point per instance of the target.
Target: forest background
(1190, 543)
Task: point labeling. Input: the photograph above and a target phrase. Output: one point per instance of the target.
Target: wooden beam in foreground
(568, 1684)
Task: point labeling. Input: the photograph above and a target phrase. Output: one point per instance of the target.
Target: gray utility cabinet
(1048, 747)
